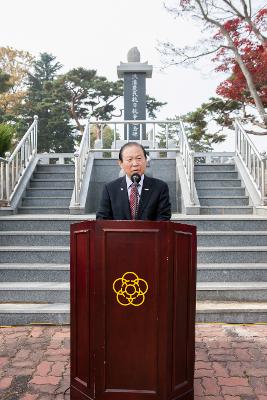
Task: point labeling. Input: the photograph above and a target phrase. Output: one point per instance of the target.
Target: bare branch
(112, 100)
(183, 53)
(119, 115)
(235, 10)
(245, 7)
(206, 17)
(250, 7)
(225, 11)
(210, 12)
(248, 18)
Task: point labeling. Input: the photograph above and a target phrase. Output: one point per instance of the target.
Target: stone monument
(134, 74)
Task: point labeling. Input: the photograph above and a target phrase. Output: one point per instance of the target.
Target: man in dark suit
(153, 194)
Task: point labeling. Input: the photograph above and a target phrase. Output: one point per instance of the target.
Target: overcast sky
(97, 34)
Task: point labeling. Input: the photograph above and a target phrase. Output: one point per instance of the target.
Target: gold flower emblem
(130, 289)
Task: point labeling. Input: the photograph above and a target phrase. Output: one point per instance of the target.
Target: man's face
(133, 161)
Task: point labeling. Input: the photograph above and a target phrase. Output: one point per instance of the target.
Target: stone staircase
(50, 190)
(34, 251)
(232, 249)
(34, 268)
(220, 190)
(232, 268)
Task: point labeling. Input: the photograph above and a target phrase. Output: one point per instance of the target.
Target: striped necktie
(133, 200)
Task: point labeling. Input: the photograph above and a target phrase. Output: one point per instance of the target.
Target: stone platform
(231, 362)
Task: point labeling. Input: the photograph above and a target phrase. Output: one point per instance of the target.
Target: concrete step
(35, 272)
(231, 312)
(46, 201)
(239, 272)
(202, 222)
(207, 311)
(207, 183)
(34, 238)
(53, 175)
(221, 210)
(52, 292)
(34, 313)
(212, 223)
(218, 191)
(43, 210)
(214, 175)
(214, 167)
(232, 291)
(248, 254)
(39, 222)
(214, 201)
(57, 192)
(35, 254)
(55, 168)
(51, 183)
(233, 238)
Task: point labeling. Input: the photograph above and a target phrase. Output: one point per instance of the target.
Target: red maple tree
(238, 41)
(254, 56)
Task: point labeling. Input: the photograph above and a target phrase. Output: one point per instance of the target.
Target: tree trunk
(249, 80)
(75, 117)
(238, 58)
(257, 33)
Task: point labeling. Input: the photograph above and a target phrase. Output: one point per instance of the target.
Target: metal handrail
(80, 157)
(188, 161)
(142, 126)
(251, 159)
(14, 165)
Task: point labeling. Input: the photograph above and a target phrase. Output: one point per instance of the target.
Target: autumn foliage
(254, 56)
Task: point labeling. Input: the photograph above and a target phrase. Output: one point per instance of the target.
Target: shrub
(6, 136)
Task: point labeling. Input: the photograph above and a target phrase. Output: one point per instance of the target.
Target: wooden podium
(132, 310)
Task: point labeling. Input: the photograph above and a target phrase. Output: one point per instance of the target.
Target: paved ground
(231, 362)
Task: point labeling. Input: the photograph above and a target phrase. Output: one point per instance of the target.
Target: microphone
(135, 178)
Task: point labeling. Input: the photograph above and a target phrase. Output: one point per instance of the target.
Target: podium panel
(183, 318)
(82, 313)
(132, 310)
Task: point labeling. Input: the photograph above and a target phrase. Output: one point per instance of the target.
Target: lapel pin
(146, 189)
(121, 188)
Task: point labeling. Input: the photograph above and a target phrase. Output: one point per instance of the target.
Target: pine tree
(54, 126)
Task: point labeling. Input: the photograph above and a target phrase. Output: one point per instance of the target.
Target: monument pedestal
(132, 310)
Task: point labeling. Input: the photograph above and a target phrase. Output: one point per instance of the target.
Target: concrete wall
(104, 170)
(165, 169)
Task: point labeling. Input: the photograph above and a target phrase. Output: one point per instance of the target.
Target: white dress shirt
(139, 186)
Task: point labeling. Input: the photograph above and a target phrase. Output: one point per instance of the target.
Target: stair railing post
(236, 138)
(2, 180)
(188, 161)
(262, 182)
(192, 178)
(36, 133)
(7, 155)
(77, 177)
(251, 159)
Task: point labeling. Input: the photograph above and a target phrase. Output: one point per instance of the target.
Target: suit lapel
(145, 195)
(125, 198)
